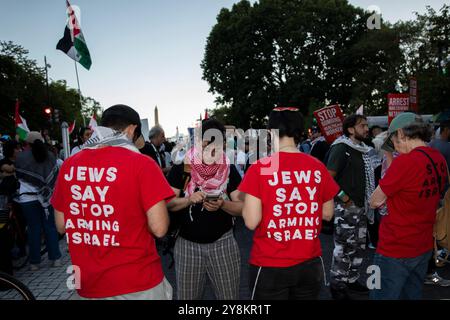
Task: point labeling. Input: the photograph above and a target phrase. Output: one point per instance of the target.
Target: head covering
(33, 136)
(401, 121)
(124, 112)
(5, 138)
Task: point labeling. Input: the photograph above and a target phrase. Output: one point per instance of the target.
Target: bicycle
(9, 283)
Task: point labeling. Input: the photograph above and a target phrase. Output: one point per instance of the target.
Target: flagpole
(79, 93)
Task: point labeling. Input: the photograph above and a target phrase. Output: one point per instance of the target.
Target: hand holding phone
(212, 197)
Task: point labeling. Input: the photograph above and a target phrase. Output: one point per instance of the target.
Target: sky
(145, 53)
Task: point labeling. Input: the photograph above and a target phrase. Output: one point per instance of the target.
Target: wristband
(341, 196)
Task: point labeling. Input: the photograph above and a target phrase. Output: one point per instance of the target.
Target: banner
(397, 103)
(330, 120)
(413, 95)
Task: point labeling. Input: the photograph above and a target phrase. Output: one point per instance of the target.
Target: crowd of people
(117, 196)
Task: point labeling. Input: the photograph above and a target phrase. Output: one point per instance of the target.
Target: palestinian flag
(73, 43)
(21, 125)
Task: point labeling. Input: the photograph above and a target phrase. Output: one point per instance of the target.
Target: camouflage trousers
(350, 232)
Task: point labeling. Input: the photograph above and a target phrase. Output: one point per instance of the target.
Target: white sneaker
(435, 279)
(56, 263)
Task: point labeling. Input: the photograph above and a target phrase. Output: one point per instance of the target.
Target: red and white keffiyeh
(209, 178)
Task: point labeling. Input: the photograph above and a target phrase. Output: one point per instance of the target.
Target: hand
(348, 204)
(213, 206)
(197, 197)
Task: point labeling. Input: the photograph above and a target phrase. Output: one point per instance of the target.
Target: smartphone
(212, 197)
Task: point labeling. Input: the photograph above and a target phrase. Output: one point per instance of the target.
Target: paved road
(50, 283)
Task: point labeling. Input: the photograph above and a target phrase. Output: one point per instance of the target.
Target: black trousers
(299, 282)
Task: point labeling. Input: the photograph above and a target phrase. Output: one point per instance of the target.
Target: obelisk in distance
(156, 116)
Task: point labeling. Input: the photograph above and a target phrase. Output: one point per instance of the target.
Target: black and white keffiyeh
(107, 137)
(368, 168)
(41, 176)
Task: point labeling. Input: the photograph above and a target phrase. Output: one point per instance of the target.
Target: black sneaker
(340, 292)
(357, 287)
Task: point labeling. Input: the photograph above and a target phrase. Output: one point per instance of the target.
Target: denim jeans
(36, 221)
(401, 279)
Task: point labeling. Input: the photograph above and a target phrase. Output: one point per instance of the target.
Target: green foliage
(310, 53)
(423, 42)
(21, 78)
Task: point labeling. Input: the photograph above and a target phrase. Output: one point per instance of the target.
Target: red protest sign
(398, 103)
(413, 95)
(330, 120)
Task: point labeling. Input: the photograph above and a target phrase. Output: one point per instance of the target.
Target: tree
(423, 42)
(307, 53)
(21, 78)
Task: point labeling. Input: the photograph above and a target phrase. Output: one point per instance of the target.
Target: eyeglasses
(281, 109)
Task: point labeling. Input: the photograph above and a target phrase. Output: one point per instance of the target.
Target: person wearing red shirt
(286, 197)
(110, 200)
(411, 188)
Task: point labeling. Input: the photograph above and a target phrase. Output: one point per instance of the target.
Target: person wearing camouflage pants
(349, 164)
(349, 244)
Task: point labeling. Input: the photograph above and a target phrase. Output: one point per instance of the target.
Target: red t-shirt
(104, 195)
(292, 191)
(411, 187)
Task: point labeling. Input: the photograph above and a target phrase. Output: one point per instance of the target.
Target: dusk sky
(144, 52)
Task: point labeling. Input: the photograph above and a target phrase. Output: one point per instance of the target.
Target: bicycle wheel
(9, 283)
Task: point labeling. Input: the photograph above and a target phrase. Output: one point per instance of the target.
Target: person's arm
(389, 158)
(60, 223)
(378, 198)
(178, 203)
(233, 207)
(158, 219)
(328, 210)
(8, 169)
(252, 211)
(166, 170)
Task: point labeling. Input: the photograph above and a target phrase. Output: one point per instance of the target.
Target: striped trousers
(220, 261)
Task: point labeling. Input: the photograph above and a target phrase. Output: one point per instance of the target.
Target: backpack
(442, 224)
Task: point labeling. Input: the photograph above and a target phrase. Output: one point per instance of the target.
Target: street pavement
(51, 283)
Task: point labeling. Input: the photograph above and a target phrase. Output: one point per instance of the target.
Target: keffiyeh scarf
(368, 170)
(209, 178)
(107, 137)
(42, 176)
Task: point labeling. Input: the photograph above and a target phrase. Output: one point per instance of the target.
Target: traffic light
(48, 115)
(56, 116)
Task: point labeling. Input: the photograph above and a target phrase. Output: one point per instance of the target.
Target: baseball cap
(33, 136)
(5, 138)
(125, 112)
(401, 121)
